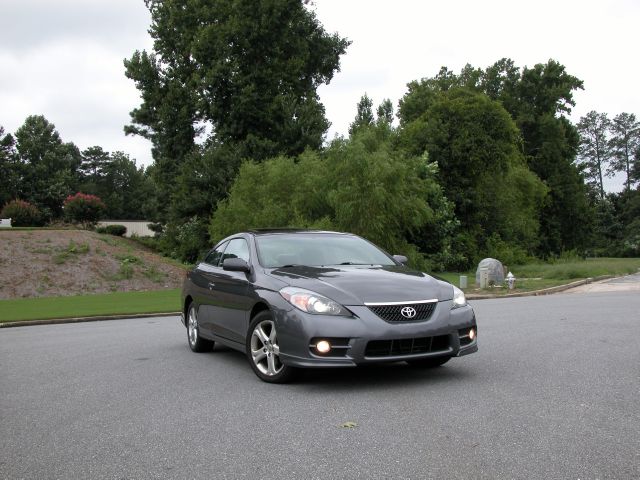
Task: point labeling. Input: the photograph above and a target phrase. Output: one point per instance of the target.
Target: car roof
(271, 231)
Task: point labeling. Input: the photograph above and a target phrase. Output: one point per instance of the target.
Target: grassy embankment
(117, 303)
(539, 275)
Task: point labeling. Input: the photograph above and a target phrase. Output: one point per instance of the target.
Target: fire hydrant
(511, 280)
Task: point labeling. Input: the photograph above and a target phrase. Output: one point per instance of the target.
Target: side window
(214, 256)
(237, 248)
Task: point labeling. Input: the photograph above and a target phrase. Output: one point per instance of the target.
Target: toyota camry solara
(295, 299)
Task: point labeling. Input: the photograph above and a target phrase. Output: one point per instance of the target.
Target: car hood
(356, 285)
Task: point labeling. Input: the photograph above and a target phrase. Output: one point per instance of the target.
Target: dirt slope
(42, 263)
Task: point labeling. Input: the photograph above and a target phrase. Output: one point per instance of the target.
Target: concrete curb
(544, 291)
(56, 321)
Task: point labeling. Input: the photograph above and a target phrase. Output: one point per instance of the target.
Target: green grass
(117, 303)
(539, 275)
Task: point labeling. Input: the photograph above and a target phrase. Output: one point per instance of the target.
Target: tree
(385, 112)
(94, 160)
(477, 148)
(10, 168)
(205, 180)
(538, 99)
(624, 142)
(364, 114)
(124, 186)
(249, 70)
(49, 166)
(125, 189)
(595, 149)
(635, 168)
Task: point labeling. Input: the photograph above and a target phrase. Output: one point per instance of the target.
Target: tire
(263, 350)
(431, 362)
(196, 342)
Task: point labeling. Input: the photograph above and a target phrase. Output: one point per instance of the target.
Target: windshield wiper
(353, 263)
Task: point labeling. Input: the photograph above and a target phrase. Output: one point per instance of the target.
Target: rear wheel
(196, 342)
(431, 362)
(263, 350)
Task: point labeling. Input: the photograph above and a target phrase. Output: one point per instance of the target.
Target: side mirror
(401, 258)
(236, 265)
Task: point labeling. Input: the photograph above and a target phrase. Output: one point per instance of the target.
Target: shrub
(117, 230)
(22, 214)
(83, 208)
(156, 228)
(192, 239)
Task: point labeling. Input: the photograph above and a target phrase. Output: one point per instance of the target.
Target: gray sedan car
(294, 299)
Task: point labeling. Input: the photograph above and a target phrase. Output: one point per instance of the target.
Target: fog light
(472, 333)
(323, 346)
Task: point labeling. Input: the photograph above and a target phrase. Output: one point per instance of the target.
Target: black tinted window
(214, 256)
(237, 248)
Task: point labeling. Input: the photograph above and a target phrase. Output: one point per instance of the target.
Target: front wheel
(430, 362)
(196, 342)
(263, 350)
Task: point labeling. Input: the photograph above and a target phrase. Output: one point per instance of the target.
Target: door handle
(211, 285)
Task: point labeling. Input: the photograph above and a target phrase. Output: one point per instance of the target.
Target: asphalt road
(554, 393)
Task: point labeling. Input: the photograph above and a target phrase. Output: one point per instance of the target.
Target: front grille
(393, 313)
(407, 346)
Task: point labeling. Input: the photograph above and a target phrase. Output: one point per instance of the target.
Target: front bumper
(366, 338)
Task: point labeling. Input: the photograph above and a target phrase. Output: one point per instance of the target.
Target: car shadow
(371, 376)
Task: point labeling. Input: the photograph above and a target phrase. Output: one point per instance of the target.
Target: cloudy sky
(63, 58)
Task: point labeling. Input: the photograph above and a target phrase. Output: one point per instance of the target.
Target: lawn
(117, 303)
(539, 275)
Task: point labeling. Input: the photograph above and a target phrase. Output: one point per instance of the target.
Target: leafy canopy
(537, 99)
(249, 70)
(477, 145)
(360, 185)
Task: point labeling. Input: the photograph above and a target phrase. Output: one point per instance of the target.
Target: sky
(64, 59)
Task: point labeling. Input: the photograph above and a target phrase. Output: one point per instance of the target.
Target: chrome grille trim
(382, 304)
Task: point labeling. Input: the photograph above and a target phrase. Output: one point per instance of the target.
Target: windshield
(320, 249)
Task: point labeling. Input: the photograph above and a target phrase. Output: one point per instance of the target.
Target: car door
(203, 278)
(228, 309)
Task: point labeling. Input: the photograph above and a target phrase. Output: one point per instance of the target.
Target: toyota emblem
(408, 312)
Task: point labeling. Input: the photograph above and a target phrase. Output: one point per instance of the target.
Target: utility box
(490, 272)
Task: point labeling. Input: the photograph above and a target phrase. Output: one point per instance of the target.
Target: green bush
(22, 214)
(117, 230)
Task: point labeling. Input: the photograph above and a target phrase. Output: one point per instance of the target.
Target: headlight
(458, 298)
(312, 302)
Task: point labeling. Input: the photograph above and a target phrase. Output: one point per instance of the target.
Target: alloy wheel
(193, 326)
(265, 351)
